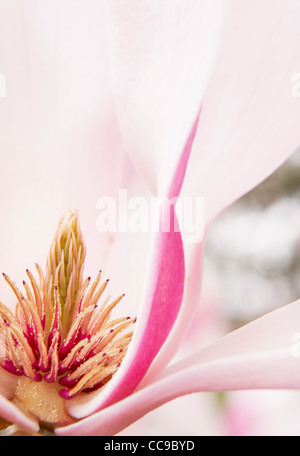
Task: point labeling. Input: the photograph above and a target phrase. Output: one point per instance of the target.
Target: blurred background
(252, 266)
(254, 247)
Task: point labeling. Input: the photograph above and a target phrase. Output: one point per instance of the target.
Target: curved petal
(13, 414)
(163, 290)
(249, 125)
(194, 256)
(160, 303)
(262, 355)
(162, 55)
(250, 120)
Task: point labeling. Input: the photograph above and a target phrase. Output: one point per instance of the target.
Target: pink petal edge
(249, 125)
(161, 57)
(160, 305)
(12, 413)
(249, 121)
(164, 287)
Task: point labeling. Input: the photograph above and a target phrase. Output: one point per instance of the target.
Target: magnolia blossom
(168, 99)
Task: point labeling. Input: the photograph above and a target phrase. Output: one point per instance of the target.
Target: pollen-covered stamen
(37, 295)
(101, 317)
(51, 376)
(69, 360)
(98, 352)
(94, 344)
(94, 373)
(11, 327)
(79, 299)
(85, 306)
(91, 298)
(42, 293)
(74, 332)
(54, 340)
(99, 342)
(17, 356)
(61, 332)
(100, 358)
(103, 338)
(65, 267)
(32, 325)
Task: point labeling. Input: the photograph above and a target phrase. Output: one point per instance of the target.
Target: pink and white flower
(165, 98)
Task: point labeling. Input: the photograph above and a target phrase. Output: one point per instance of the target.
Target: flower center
(60, 333)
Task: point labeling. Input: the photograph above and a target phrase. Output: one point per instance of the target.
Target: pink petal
(13, 414)
(262, 355)
(162, 55)
(161, 300)
(191, 297)
(148, 339)
(159, 307)
(249, 124)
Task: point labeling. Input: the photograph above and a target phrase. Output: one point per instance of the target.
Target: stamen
(100, 321)
(60, 331)
(51, 377)
(74, 332)
(13, 329)
(79, 299)
(37, 294)
(68, 361)
(28, 292)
